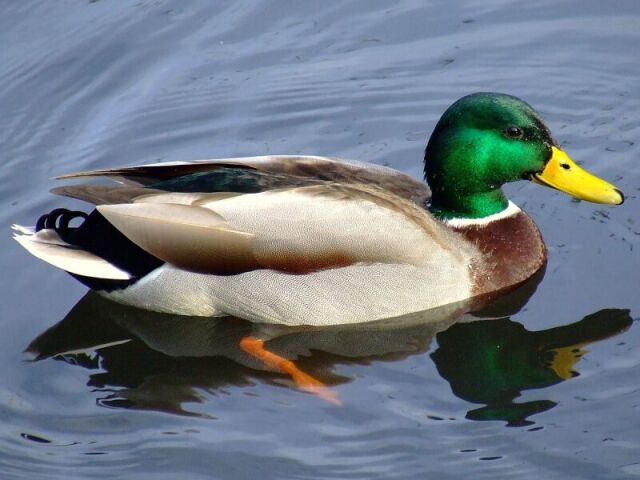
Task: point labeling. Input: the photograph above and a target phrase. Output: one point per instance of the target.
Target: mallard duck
(305, 240)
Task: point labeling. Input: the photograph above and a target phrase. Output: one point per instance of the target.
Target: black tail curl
(96, 235)
(58, 220)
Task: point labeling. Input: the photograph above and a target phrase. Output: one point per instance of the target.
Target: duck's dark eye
(514, 132)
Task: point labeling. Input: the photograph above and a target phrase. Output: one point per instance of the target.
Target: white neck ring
(511, 210)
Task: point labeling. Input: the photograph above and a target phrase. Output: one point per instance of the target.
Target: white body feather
(354, 294)
(403, 268)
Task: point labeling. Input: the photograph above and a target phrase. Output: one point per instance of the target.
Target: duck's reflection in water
(490, 362)
(154, 361)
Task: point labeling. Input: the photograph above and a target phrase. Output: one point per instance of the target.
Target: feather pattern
(284, 239)
(191, 237)
(324, 227)
(318, 264)
(353, 294)
(279, 171)
(103, 194)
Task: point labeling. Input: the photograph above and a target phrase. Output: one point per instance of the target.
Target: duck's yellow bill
(564, 174)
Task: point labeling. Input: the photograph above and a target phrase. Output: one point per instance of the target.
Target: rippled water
(550, 389)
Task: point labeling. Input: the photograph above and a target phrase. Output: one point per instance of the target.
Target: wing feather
(291, 230)
(337, 225)
(311, 167)
(103, 194)
(190, 237)
(319, 255)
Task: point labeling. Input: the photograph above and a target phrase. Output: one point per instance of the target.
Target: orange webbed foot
(255, 347)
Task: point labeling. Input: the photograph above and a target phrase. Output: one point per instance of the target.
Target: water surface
(541, 386)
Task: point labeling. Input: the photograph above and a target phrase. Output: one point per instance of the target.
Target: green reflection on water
(491, 362)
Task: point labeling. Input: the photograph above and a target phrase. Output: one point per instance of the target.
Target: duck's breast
(512, 250)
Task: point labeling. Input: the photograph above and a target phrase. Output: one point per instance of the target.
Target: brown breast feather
(512, 251)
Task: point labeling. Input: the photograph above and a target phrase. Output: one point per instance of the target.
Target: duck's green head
(487, 139)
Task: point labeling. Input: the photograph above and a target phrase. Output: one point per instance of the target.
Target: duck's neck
(448, 205)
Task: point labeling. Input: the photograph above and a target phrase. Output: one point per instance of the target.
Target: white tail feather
(22, 229)
(48, 246)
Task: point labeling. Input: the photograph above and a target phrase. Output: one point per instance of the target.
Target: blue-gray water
(92, 84)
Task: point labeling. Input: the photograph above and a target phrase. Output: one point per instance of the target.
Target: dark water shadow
(145, 360)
